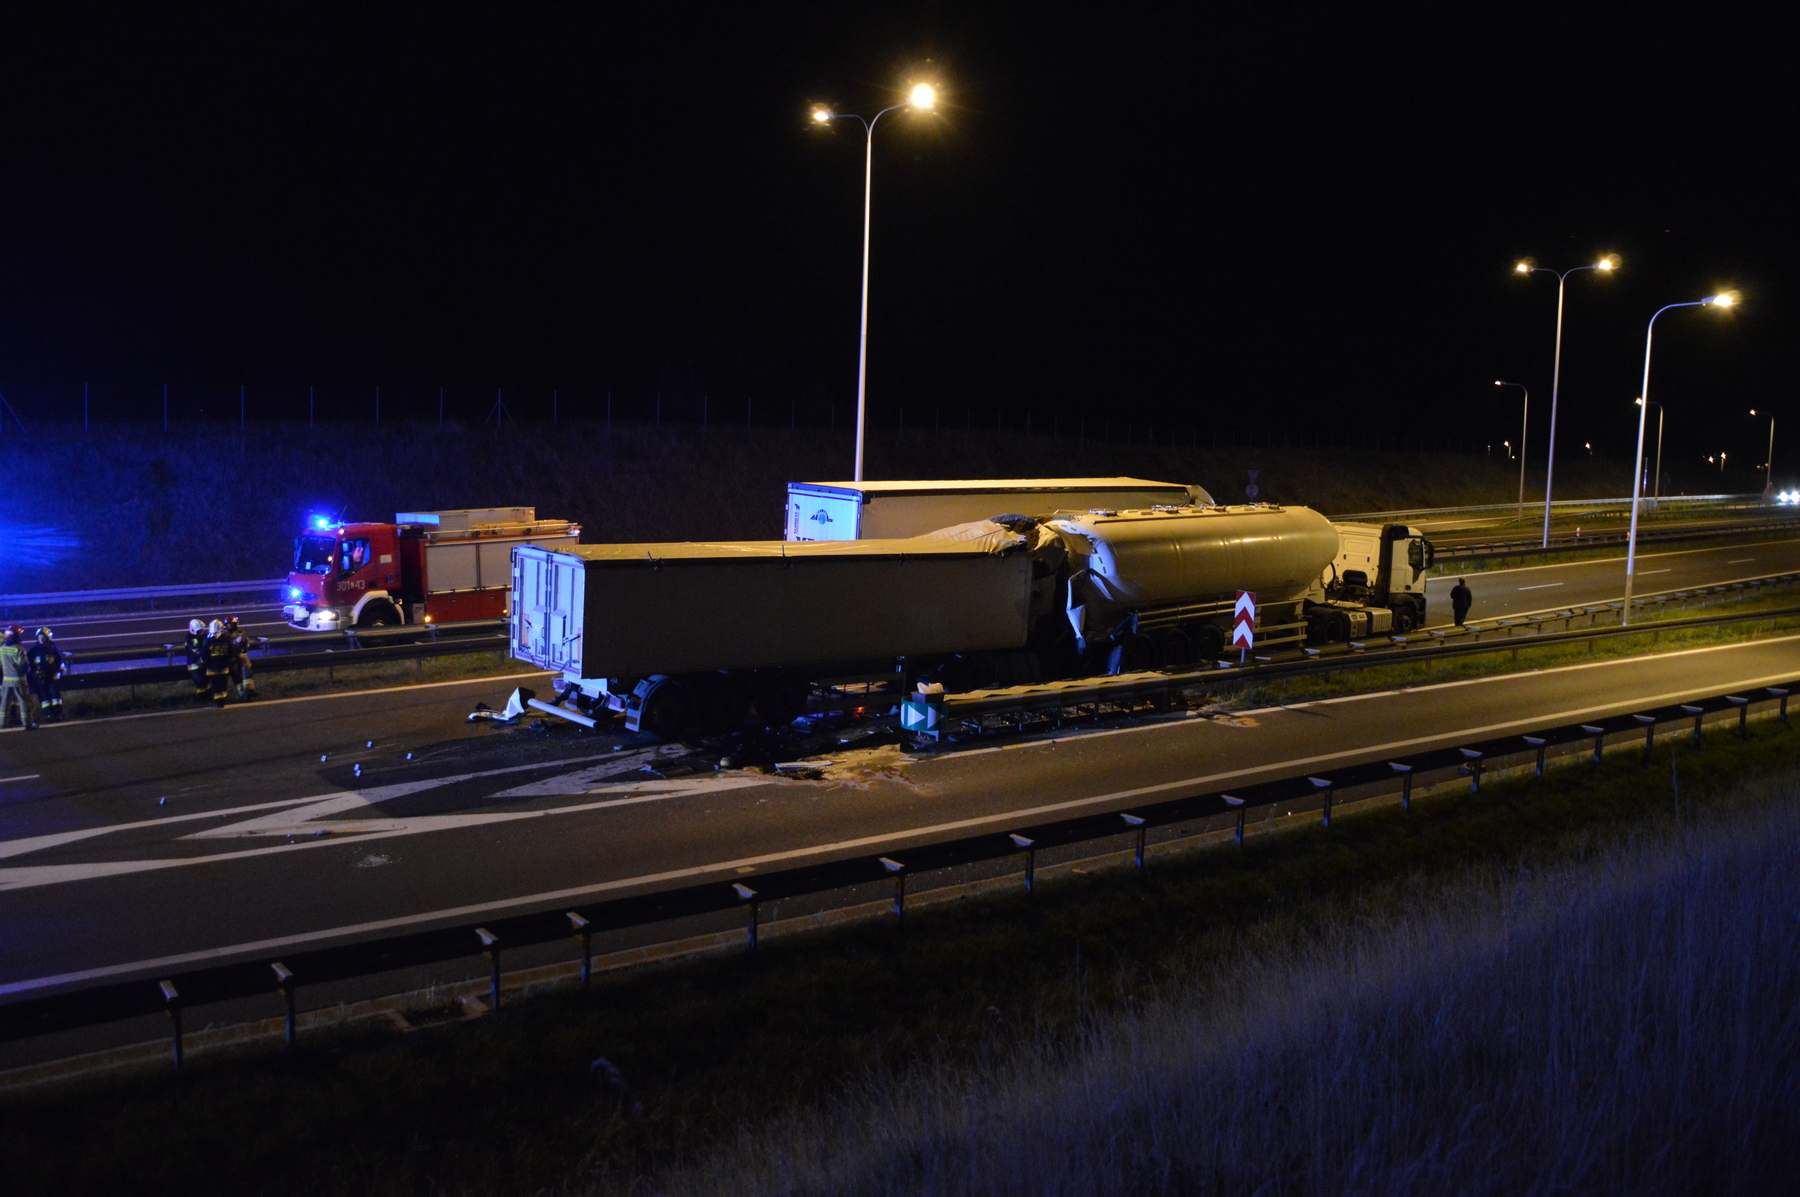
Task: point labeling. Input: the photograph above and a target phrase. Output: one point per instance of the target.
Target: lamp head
(821, 115)
(1607, 263)
(1723, 299)
(1523, 266)
(922, 97)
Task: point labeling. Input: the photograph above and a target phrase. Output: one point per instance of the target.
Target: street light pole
(1524, 427)
(1637, 462)
(1656, 477)
(1769, 463)
(922, 98)
(1605, 265)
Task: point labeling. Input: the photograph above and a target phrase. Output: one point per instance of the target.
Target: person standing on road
(15, 670)
(196, 657)
(218, 662)
(47, 668)
(1461, 599)
(241, 670)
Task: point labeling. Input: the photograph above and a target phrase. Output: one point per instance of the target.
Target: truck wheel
(661, 706)
(780, 700)
(1175, 649)
(1134, 654)
(721, 702)
(378, 615)
(1209, 642)
(1405, 618)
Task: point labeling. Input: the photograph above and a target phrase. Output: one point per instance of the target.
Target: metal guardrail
(1564, 504)
(1533, 547)
(76, 598)
(278, 977)
(327, 659)
(303, 643)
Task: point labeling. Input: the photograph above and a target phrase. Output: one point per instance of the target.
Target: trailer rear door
(547, 608)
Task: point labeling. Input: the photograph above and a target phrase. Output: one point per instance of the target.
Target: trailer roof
(970, 541)
(988, 486)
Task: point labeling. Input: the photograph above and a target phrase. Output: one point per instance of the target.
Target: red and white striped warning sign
(1243, 620)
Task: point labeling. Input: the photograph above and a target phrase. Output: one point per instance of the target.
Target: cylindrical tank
(1140, 560)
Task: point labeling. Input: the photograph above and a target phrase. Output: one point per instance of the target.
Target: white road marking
(1644, 573)
(20, 777)
(727, 867)
(1740, 560)
(1541, 586)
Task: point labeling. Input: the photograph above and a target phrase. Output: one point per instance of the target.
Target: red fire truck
(425, 567)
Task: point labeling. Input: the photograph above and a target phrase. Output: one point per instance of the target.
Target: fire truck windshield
(312, 554)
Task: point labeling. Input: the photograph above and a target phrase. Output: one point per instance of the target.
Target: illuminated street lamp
(1656, 478)
(1605, 265)
(1524, 427)
(922, 97)
(1722, 300)
(1769, 465)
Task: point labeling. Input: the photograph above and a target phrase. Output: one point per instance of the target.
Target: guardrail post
(172, 1003)
(1782, 694)
(1542, 745)
(284, 983)
(899, 872)
(490, 943)
(1698, 713)
(1473, 756)
(1743, 706)
(1599, 734)
(1030, 858)
(1406, 780)
(1234, 801)
(1648, 722)
(1137, 855)
(586, 934)
(1330, 788)
(747, 895)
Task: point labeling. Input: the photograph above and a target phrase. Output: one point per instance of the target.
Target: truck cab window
(355, 555)
(312, 554)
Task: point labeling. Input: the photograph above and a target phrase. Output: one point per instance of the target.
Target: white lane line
(36, 876)
(37, 843)
(1525, 569)
(1644, 573)
(1541, 586)
(275, 702)
(21, 777)
(1740, 560)
(256, 947)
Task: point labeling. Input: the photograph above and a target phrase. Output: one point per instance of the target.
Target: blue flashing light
(321, 521)
(295, 592)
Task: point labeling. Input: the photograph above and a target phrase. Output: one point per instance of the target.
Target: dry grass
(1630, 1024)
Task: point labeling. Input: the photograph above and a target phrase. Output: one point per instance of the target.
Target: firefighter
(241, 670)
(15, 670)
(196, 657)
(218, 662)
(48, 665)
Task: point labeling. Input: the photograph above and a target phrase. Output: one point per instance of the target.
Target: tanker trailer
(1156, 589)
(682, 635)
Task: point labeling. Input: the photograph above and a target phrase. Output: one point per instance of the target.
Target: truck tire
(661, 706)
(1405, 618)
(378, 615)
(780, 700)
(721, 702)
(1135, 653)
(1175, 649)
(1209, 642)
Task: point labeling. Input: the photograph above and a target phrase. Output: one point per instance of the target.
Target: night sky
(1197, 216)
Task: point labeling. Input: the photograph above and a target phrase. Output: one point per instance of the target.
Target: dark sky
(1188, 214)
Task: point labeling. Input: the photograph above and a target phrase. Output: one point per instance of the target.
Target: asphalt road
(92, 633)
(1500, 593)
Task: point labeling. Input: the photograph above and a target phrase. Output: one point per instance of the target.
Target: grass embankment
(140, 507)
(375, 675)
(702, 1052)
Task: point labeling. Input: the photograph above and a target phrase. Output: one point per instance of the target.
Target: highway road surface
(139, 845)
(93, 633)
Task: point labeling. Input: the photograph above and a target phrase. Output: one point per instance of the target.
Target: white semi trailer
(883, 510)
(682, 635)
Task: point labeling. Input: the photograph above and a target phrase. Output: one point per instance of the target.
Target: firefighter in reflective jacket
(241, 669)
(218, 662)
(47, 668)
(15, 669)
(196, 657)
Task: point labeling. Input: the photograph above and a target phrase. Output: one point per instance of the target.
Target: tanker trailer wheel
(661, 706)
(721, 702)
(1133, 654)
(780, 700)
(1175, 649)
(1209, 642)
